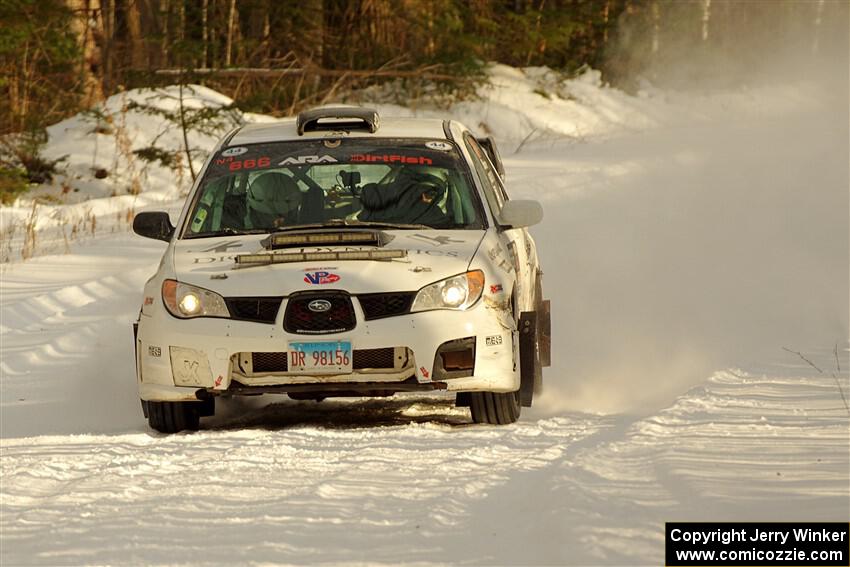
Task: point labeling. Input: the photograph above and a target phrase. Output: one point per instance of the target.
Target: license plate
(320, 357)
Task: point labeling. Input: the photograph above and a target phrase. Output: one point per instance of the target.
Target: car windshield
(276, 186)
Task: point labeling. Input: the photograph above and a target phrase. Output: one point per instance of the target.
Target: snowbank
(522, 105)
(104, 178)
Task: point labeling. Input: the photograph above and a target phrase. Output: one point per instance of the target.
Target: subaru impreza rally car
(337, 254)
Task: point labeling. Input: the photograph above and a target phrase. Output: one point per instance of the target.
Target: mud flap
(544, 330)
(136, 359)
(136, 351)
(529, 364)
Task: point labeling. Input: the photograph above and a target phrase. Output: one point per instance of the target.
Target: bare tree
(87, 27)
(165, 39)
(231, 20)
(204, 32)
(134, 29)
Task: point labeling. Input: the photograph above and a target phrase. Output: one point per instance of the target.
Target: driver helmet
(430, 181)
(273, 200)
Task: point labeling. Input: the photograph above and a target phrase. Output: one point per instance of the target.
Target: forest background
(60, 57)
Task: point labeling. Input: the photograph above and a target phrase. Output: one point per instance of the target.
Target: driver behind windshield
(273, 201)
(415, 196)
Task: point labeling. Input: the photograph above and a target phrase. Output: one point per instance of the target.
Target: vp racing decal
(319, 278)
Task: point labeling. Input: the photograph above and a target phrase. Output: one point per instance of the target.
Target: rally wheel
(494, 408)
(171, 417)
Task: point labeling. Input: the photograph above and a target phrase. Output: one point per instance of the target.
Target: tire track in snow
(741, 447)
(66, 350)
(332, 494)
(408, 480)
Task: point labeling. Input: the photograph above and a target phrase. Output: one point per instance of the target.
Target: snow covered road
(400, 481)
(412, 482)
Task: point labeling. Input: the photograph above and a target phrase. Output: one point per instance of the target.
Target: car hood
(431, 256)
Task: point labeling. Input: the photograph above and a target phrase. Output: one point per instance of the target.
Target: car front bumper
(184, 359)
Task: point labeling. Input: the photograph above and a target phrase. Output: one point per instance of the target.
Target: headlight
(187, 301)
(458, 292)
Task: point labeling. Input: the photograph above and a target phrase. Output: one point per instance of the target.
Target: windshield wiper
(228, 232)
(335, 223)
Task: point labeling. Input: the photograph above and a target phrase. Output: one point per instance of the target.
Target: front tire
(494, 408)
(171, 417)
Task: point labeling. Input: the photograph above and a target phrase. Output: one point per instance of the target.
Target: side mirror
(155, 225)
(520, 213)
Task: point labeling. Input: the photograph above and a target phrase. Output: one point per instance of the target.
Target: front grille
(374, 358)
(378, 305)
(269, 362)
(300, 319)
(259, 309)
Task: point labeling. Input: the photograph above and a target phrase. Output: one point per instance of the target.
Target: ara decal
(302, 160)
(496, 288)
(424, 372)
(319, 278)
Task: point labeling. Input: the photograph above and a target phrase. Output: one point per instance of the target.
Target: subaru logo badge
(319, 305)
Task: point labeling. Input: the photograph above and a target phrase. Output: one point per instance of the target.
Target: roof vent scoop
(338, 118)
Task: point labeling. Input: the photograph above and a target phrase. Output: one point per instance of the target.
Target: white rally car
(340, 255)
